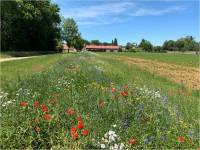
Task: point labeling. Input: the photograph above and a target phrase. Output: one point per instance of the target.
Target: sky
(132, 20)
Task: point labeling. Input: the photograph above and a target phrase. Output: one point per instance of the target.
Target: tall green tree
(29, 25)
(115, 41)
(146, 45)
(71, 34)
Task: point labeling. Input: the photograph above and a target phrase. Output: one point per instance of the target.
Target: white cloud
(114, 12)
(99, 10)
(155, 12)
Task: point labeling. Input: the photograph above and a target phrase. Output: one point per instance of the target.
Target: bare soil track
(187, 76)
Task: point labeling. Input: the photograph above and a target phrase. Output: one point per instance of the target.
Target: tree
(146, 45)
(157, 48)
(115, 42)
(128, 46)
(95, 42)
(79, 43)
(29, 25)
(71, 34)
(169, 45)
(183, 44)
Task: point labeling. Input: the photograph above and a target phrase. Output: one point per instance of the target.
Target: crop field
(100, 101)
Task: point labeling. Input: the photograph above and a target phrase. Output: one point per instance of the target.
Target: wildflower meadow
(87, 102)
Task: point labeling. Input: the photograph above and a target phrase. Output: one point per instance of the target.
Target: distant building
(66, 48)
(102, 48)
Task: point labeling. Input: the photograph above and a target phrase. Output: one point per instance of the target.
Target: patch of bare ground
(187, 76)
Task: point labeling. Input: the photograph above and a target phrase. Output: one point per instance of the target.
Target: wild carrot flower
(84, 132)
(35, 104)
(24, 104)
(181, 139)
(47, 117)
(69, 111)
(44, 108)
(132, 141)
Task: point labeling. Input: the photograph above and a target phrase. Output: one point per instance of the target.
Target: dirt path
(188, 76)
(15, 58)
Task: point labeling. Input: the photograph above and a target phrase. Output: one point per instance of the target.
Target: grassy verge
(12, 70)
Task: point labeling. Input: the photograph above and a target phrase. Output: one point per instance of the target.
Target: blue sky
(132, 20)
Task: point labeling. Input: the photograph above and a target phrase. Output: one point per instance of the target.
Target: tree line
(29, 25)
(187, 43)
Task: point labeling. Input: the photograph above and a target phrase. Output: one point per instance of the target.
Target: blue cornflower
(125, 124)
(146, 141)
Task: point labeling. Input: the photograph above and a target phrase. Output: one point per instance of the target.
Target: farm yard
(100, 101)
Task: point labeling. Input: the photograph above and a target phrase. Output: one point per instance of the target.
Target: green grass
(12, 70)
(84, 84)
(190, 60)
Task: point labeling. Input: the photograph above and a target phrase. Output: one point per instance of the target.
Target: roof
(101, 47)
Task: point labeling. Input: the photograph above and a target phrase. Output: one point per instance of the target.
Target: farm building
(102, 48)
(66, 48)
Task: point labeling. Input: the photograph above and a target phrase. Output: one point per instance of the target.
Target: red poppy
(73, 129)
(24, 104)
(132, 141)
(199, 148)
(47, 117)
(35, 104)
(181, 139)
(44, 108)
(79, 118)
(85, 132)
(114, 90)
(69, 111)
(37, 129)
(80, 125)
(123, 93)
(74, 133)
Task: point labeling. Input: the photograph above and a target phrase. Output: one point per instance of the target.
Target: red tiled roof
(101, 47)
